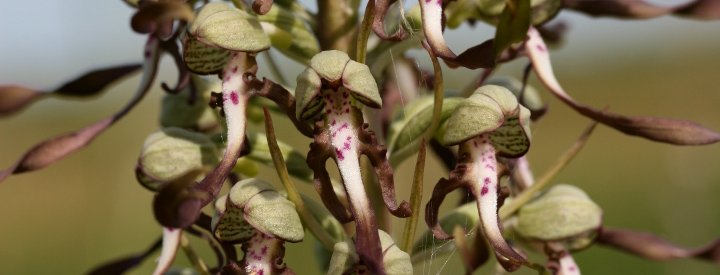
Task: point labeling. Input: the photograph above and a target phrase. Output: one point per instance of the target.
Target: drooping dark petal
(122, 265)
(96, 81)
(478, 56)
(15, 98)
(320, 152)
(378, 24)
(183, 81)
(442, 188)
(673, 131)
(155, 17)
(700, 9)
(653, 247)
(262, 6)
(52, 150)
(377, 156)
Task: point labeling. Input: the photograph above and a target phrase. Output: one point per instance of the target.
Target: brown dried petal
(700, 9)
(14, 98)
(634, 9)
(673, 131)
(652, 247)
(52, 150)
(617, 8)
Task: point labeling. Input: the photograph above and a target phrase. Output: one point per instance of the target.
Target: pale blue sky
(45, 43)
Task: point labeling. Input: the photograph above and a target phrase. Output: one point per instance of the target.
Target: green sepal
(229, 28)
(361, 83)
(266, 210)
(330, 65)
(306, 94)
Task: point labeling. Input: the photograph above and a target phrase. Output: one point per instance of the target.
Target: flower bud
(564, 212)
(173, 153)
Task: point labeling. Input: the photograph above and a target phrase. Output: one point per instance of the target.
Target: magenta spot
(257, 258)
(347, 110)
(261, 272)
(344, 126)
(263, 251)
(571, 268)
(339, 154)
(348, 138)
(234, 97)
(475, 143)
(234, 70)
(147, 54)
(346, 145)
(540, 48)
(333, 122)
(483, 191)
(486, 180)
(345, 95)
(328, 111)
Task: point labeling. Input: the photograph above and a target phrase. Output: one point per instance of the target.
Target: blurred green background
(87, 208)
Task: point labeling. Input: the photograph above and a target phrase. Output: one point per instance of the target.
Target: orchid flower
(490, 123)
(223, 40)
(329, 94)
(261, 220)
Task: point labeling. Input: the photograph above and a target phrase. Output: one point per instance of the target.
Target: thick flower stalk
(327, 94)
(490, 123)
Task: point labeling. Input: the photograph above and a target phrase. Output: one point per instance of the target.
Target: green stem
(365, 30)
(439, 93)
(415, 200)
(196, 261)
(293, 194)
(509, 209)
